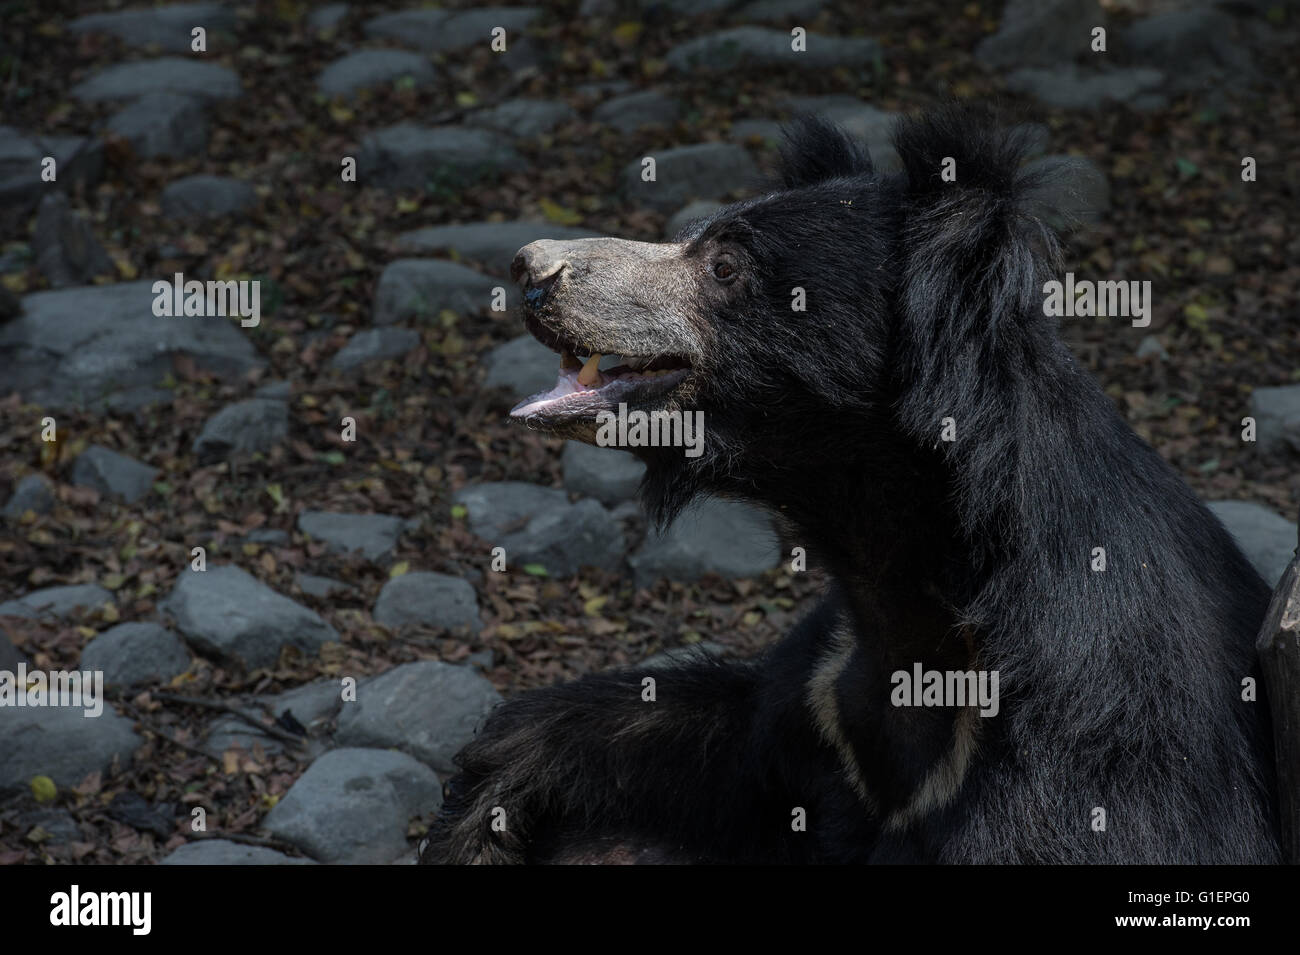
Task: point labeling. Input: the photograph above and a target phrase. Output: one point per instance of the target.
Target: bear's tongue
(577, 377)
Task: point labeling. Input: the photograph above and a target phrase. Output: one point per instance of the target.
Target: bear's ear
(814, 150)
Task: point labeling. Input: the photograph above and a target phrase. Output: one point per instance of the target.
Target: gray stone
(1277, 418)
(610, 475)
(522, 365)
(9, 655)
(375, 344)
(443, 30)
(492, 243)
(163, 124)
(375, 535)
(1196, 47)
(230, 614)
(206, 197)
(407, 156)
(636, 110)
(244, 427)
(225, 852)
(767, 131)
(275, 391)
(74, 346)
(1072, 192)
(65, 246)
(113, 474)
(322, 587)
(1152, 346)
(428, 709)
(537, 525)
(80, 161)
(1067, 87)
(728, 538)
(267, 535)
(701, 171)
(167, 27)
(33, 493)
(749, 48)
(421, 288)
(311, 704)
(189, 77)
(230, 732)
(428, 599)
(134, 653)
(1267, 539)
(58, 603)
(62, 742)
(679, 220)
(354, 805)
(524, 118)
(1041, 33)
(366, 69)
(326, 18)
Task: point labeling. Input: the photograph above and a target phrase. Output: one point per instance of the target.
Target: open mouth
(583, 389)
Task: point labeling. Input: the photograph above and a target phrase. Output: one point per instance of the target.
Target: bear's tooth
(590, 374)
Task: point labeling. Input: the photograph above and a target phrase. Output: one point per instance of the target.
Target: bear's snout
(538, 264)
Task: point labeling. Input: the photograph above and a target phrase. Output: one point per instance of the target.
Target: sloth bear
(928, 438)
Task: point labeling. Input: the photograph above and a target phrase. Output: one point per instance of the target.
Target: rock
(679, 220)
(275, 391)
(494, 244)
(375, 344)
(327, 18)
(167, 27)
(1152, 346)
(134, 653)
(62, 742)
(636, 110)
(79, 159)
(354, 805)
(1068, 87)
(728, 538)
(57, 603)
(524, 118)
(322, 587)
(244, 427)
(522, 365)
(1071, 193)
(1277, 418)
(537, 525)
(75, 346)
(267, 535)
(702, 171)
(766, 131)
(430, 600)
(34, 493)
(1196, 47)
(310, 704)
(1267, 539)
(232, 615)
(366, 69)
(421, 288)
(59, 823)
(1041, 33)
(113, 474)
(176, 74)
(375, 535)
(65, 246)
(9, 655)
(163, 124)
(610, 475)
(230, 732)
(225, 852)
(428, 709)
(862, 121)
(206, 197)
(442, 30)
(407, 156)
(750, 48)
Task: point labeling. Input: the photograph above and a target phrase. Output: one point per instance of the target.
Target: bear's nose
(537, 264)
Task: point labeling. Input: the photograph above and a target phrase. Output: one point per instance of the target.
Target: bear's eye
(723, 271)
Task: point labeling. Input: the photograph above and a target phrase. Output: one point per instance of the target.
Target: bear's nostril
(519, 267)
(535, 292)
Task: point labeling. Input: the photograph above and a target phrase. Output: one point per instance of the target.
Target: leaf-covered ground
(1221, 254)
